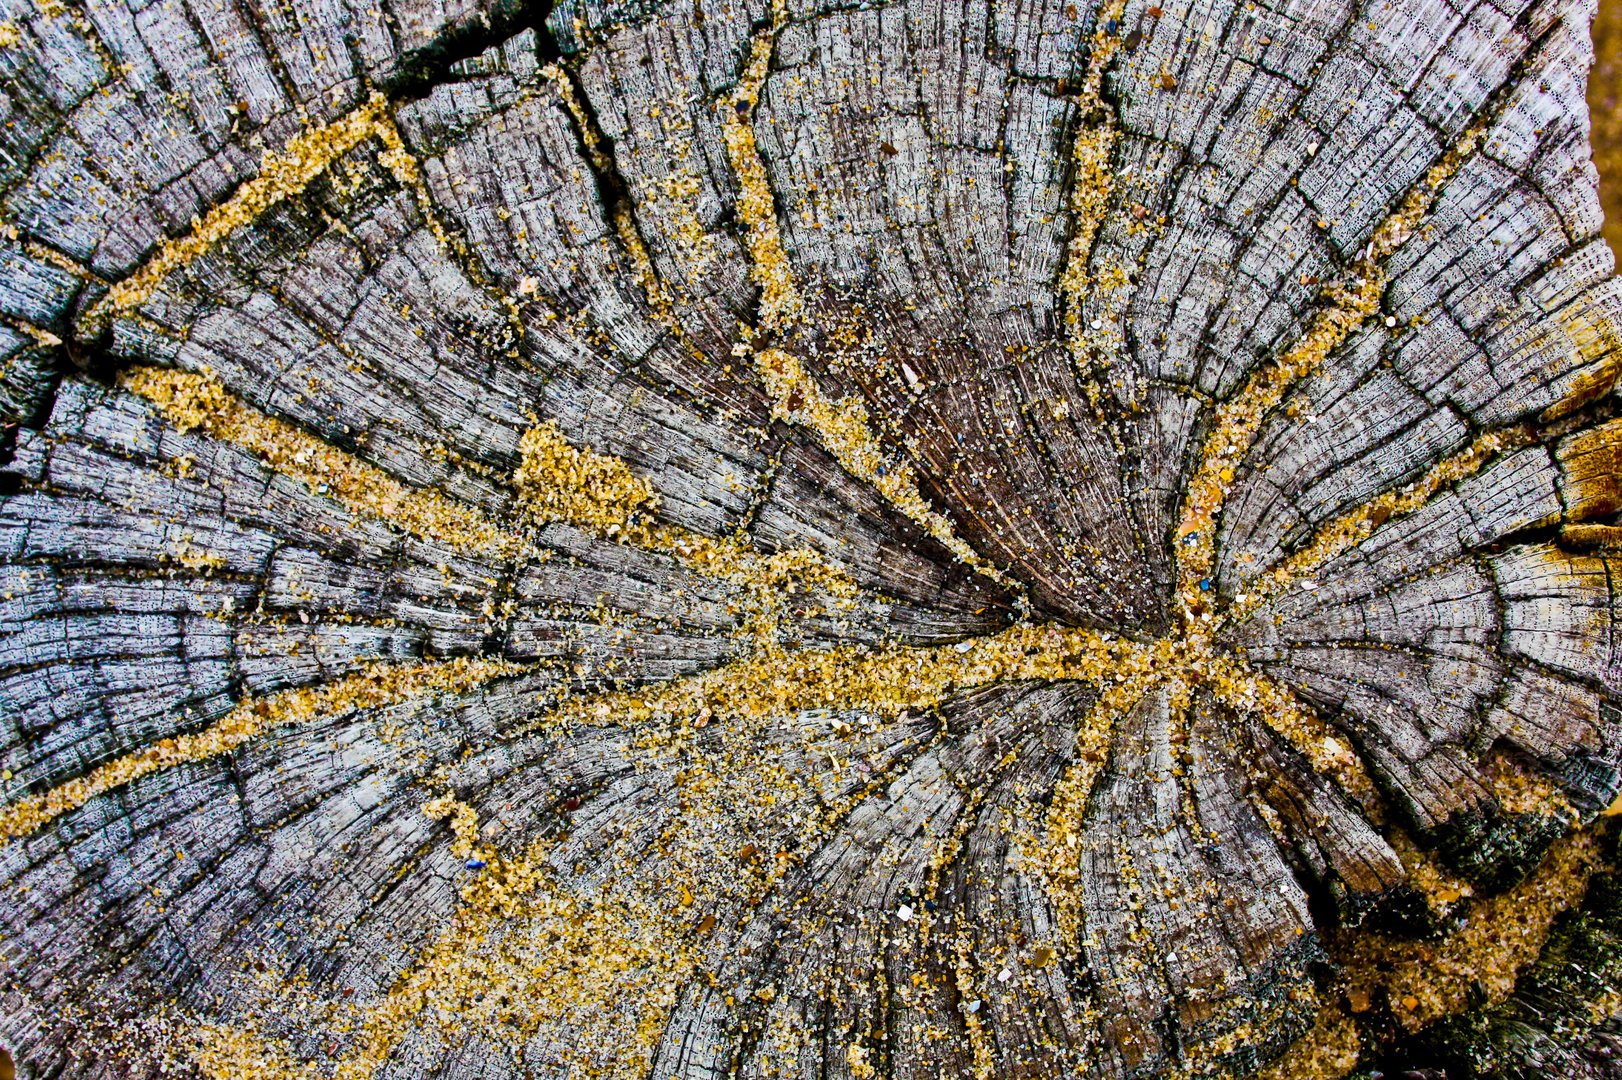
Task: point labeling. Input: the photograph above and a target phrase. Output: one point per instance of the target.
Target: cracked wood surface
(901, 539)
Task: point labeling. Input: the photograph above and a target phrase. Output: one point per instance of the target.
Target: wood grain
(905, 539)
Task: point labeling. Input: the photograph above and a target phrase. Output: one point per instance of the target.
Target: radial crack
(1058, 853)
(199, 402)
(883, 681)
(616, 198)
(1091, 188)
(781, 305)
(555, 481)
(281, 176)
(842, 427)
(1346, 305)
(375, 686)
(1356, 525)
(1237, 685)
(888, 681)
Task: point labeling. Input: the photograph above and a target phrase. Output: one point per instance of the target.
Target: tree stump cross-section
(901, 539)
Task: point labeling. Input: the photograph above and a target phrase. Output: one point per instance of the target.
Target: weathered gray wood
(910, 539)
